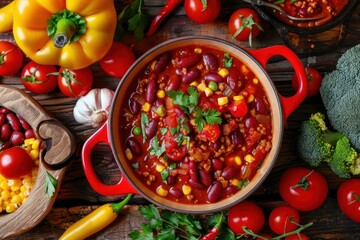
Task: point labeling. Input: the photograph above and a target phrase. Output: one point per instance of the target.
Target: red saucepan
(110, 132)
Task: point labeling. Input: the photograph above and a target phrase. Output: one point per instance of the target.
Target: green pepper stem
(65, 29)
(116, 207)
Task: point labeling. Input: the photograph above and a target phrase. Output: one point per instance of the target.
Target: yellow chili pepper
(6, 17)
(95, 221)
(72, 34)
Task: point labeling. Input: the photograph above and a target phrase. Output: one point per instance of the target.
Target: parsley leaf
(50, 184)
(144, 120)
(227, 60)
(186, 102)
(155, 148)
(210, 116)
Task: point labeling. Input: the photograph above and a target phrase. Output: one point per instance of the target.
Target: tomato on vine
(75, 83)
(202, 11)
(284, 219)
(298, 236)
(245, 24)
(38, 78)
(11, 58)
(303, 189)
(314, 80)
(15, 162)
(246, 214)
(348, 198)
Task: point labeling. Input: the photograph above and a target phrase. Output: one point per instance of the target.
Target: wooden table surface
(76, 198)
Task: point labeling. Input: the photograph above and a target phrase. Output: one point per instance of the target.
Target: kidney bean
(231, 190)
(233, 79)
(251, 122)
(17, 138)
(230, 172)
(213, 77)
(4, 110)
(176, 192)
(196, 185)
(30, 134)
(25, 125)
(236, 137)
(217, 164)
(151, 128)
(134, 146)
(210, 62)
(2, 119)
(214, 191)
(151, 89)
(174, 83)
(5, 145)
(5, 132)
(216, 145)
(13, 121)
(260, 106)
(192, 75)
(163, 62)
(205, 177)
(134, 106)
(193, 171)
(171, 180)
(189, 60)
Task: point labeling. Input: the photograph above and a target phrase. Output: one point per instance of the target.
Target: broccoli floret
(343, 158)
(316, 141)
(340, 94)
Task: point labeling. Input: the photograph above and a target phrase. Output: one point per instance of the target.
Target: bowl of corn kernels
(34, 151)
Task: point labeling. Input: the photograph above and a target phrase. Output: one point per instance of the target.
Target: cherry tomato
(314, 81)
(303, 189)
(246, 214)
(210, 133)
(238, 108)
(245, 24)
(264, 237)
(11, 58)
(284, 219)
(348, 198)
(202, 13)
(75, 83)
(172, 148)
(36, 78)
(118, 60)
(299, 236)
(15, 162)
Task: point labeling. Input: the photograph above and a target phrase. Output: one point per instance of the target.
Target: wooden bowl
(59, 146)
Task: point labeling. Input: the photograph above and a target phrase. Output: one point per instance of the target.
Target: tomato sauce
(198, 125)
(310, 8)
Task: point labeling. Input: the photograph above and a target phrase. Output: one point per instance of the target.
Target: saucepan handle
(120, 188)
(289, 104)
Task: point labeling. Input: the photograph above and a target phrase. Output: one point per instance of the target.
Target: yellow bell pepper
(71, 33)
(6, 17)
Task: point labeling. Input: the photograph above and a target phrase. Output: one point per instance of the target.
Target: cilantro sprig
(155, 148)
(210, 116)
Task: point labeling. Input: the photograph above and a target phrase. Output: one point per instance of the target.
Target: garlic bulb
(93, 108)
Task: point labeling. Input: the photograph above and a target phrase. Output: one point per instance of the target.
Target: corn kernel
(162, 191)
(234, 182)
(251, 98)
(29, 141)
(159, 167)
(238, 97)
(208, 92)
(160, 93)
(152, 67)
(237, 160)
(202, 86)
(223, 72)
(16, 199)
(244, 69)
(10, 208)
(128, 154)
(36, 144)
(249, 158)
(4, 185)
(222, 101)
(198, 50)
(146, 107)
(5, 195)
(34, 154)
(194, 83)
(255, 81)
(186, 189)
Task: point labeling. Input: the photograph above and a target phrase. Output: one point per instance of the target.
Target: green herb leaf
(50, 184)
(227, 60)
(186, 102)
(136, 166)
(210, 116)
(243, 183)
(164, 175)
(144, 120)
(155, 148)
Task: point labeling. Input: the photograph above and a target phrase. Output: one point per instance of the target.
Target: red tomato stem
(357, 199)
(303, 183)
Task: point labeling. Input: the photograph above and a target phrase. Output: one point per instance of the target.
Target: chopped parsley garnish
(164, 175)
(210, 116)
(227, 60)
(155, 148)
(186, 102)
(136, 166)
(243, 183)
(143, 122)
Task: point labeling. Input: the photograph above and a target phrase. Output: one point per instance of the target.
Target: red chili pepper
(214, 232)
(164, 12)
